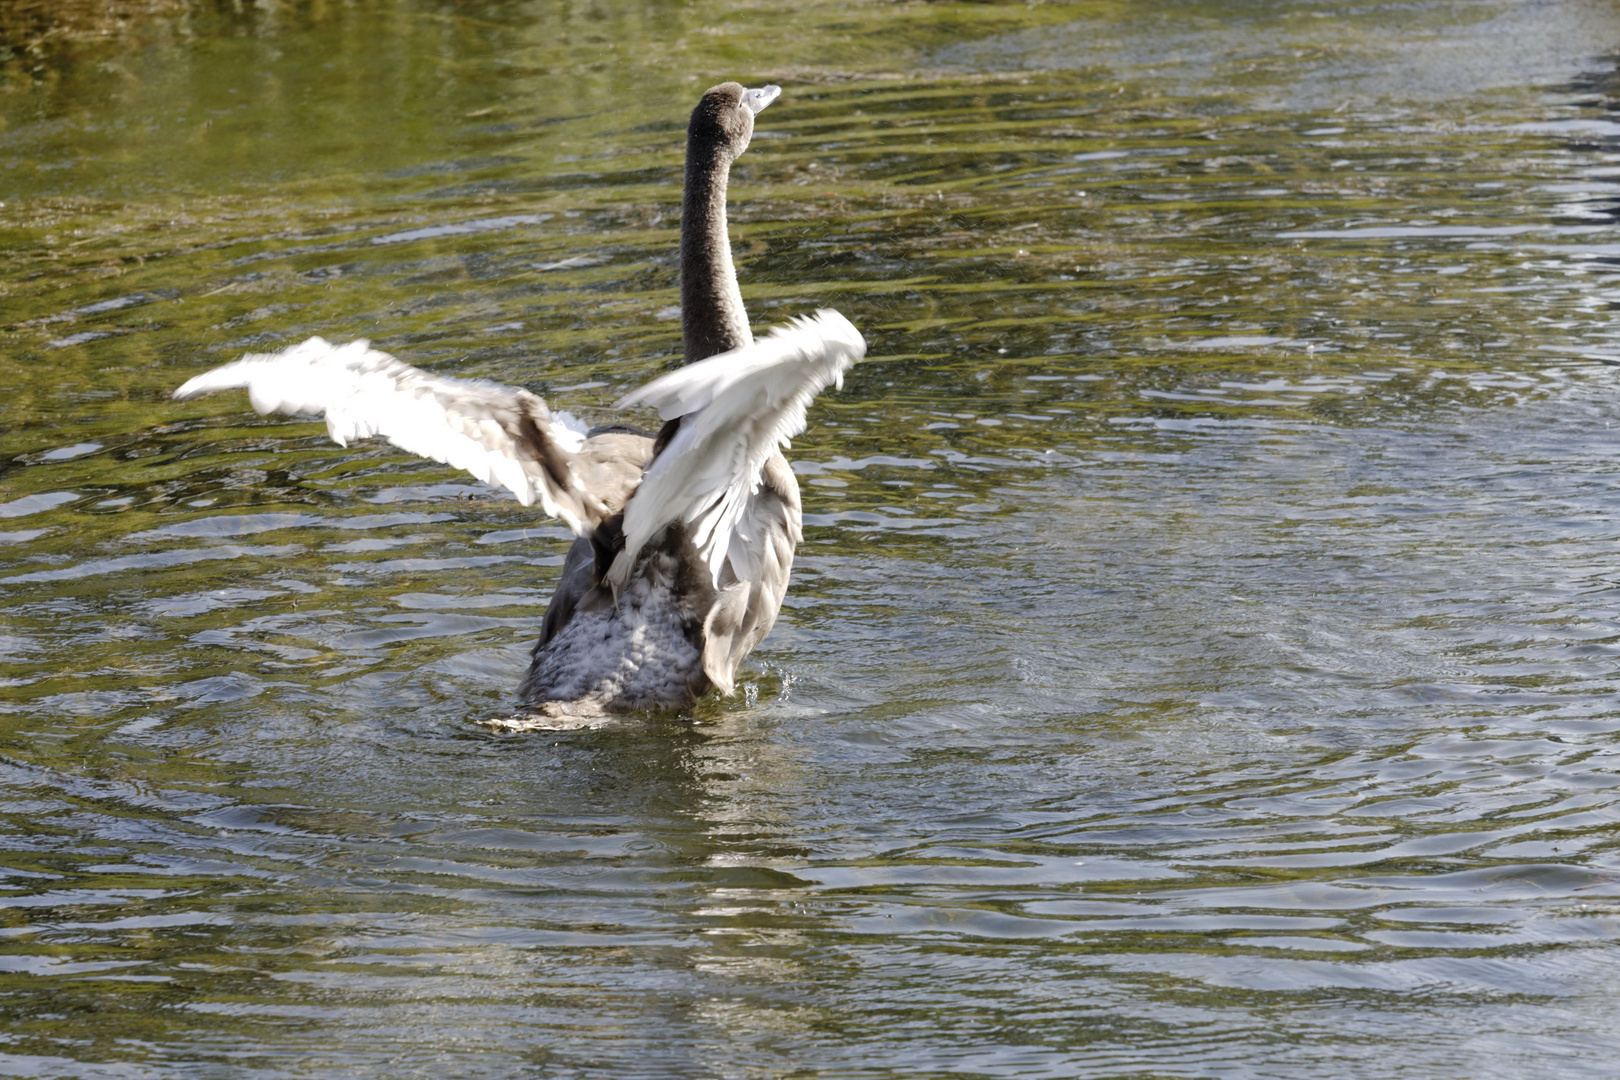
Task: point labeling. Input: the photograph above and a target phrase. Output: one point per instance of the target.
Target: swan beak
(756, 100)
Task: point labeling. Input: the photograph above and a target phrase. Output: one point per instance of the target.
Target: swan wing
(736, 410)
(502, 435)
(761, 560)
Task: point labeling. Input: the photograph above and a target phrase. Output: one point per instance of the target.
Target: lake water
(1201, 662)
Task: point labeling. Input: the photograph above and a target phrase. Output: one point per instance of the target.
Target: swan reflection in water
(684, 538)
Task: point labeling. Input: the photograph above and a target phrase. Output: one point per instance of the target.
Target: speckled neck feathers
(713, 319)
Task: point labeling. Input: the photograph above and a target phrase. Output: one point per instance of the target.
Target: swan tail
(735, 410)
(501, 435)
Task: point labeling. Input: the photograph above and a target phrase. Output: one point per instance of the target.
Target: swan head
(724, 117)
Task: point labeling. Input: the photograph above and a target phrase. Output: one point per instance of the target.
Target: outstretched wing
(500, 434)
(736, 409)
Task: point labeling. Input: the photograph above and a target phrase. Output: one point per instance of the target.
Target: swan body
(684, 540)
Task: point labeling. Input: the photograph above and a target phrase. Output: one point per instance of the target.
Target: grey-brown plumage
(713, 319)
(722, 625)
(684, 541)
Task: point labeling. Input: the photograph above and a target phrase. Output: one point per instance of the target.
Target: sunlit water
(1201, 662)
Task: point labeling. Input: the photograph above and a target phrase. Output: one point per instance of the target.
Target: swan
(684, 540)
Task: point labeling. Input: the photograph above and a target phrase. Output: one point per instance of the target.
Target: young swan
(685, 542)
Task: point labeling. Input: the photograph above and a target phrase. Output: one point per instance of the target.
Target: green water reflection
(1202, 655)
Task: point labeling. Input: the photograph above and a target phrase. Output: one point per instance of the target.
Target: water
(1201, 662)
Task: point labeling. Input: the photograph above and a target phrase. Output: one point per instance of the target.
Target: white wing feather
(736, 409)
(499, 434)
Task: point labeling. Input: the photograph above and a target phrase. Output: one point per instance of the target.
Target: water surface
(1201, 661)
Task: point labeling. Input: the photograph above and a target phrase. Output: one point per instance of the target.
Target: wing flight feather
(502, 435)
(736, 409)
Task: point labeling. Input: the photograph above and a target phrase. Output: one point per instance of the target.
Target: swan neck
(713, 319)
